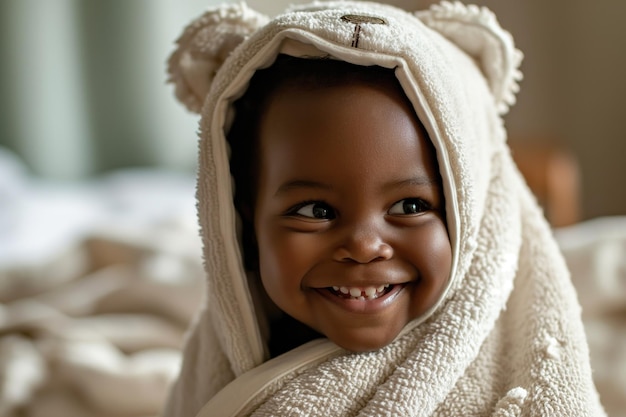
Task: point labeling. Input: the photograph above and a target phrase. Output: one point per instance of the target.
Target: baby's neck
(287, 333)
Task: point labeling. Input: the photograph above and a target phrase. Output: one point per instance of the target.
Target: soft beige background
(574, 90)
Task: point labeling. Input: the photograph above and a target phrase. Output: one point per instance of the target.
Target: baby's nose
(363, 243)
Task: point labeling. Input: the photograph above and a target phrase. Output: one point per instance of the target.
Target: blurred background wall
(82, 85)
(574, 88)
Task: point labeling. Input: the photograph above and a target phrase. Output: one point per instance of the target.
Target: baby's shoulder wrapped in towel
(504, 335)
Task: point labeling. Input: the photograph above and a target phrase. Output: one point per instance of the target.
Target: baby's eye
(317, 210)
(410, 206)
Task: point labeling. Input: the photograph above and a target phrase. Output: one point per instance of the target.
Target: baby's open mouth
(361, 293)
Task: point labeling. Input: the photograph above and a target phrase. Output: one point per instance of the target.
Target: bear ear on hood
(204, 45)
(476, 31)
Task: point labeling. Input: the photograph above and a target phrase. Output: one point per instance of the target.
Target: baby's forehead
(354, 125)
(349, 95)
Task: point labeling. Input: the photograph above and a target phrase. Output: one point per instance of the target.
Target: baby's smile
(367, 300)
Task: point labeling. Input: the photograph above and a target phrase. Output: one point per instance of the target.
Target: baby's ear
(204, 45)
(477, 32)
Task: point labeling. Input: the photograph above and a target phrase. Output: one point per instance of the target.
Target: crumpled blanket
(92, 323)
(505, 339)
(595, 252)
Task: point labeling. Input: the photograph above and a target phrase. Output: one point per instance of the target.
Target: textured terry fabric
(506, 339)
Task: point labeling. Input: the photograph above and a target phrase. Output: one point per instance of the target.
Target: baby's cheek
(441, 253)
(433, 247)
(434, 262)
(281, 260)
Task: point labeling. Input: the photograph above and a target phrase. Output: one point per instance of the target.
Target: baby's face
(349, 215)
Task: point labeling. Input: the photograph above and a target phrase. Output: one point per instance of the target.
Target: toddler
(370, 247)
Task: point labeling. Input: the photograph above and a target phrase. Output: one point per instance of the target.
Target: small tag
(359, 20)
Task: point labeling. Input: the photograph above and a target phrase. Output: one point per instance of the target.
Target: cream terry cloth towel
(506, 338)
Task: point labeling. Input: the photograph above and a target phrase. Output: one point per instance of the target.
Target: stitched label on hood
(357, 21)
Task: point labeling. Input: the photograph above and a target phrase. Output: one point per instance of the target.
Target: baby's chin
(364, 340)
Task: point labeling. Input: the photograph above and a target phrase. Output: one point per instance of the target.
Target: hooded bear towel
(505, 339)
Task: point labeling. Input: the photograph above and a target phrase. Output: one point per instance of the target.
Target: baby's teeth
(367, 293)
(355, 292)
(370, 291)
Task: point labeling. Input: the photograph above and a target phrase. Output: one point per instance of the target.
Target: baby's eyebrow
(295, 184)
(418, 180)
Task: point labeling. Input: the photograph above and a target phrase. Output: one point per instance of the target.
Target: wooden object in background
(553, 174)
